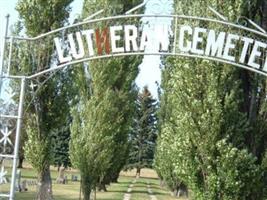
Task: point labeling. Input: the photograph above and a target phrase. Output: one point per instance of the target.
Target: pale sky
(149, 69)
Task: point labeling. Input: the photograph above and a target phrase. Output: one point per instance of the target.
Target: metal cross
(33, 86)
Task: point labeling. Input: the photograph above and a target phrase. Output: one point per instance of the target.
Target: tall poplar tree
(208, 121)
(102, 121)
(40, 17)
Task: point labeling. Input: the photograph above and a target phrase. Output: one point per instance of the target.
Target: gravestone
(23, 186)
(66, 180)
(61, 178)
(74, 178)
(18, 180)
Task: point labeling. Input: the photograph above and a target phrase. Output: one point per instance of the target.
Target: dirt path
(144, 190)
(150, 192)
(127, 195)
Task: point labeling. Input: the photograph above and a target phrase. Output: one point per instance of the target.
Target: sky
(149, 69)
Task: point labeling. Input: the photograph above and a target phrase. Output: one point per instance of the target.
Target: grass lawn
(140, 190)
(116, 191)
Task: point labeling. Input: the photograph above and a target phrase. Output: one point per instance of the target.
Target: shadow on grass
(25, 195)
(138, 191)
(108, 198)
(115, 191)
(124, 183)
(154, 187)
(146, 178)
(158, 193)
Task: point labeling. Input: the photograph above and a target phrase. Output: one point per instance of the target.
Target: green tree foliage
(60, 147)
(211, 136)
(102, 123)
(40, 17)
(102, 120)
(91, 145)
(144, 134)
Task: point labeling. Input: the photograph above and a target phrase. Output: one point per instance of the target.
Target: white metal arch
(175, 18)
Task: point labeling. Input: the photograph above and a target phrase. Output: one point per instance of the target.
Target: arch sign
(190, 40)
(125, 35)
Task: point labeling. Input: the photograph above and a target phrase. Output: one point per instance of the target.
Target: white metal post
(175, 35)
(10, 55)
(3, 53)
(17, 140)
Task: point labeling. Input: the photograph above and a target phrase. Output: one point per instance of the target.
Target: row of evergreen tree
(213, 118)
(90, 117)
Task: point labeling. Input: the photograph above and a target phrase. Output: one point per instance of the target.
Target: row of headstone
(34, 182)
(31, 182)
(22, 185)
(64, 180)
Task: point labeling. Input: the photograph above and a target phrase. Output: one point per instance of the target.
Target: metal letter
(230, 45)
(114, 38)
(144, 39)
(161, 34)
(247, 42)
(215, 45)
(197, 39)
(102, 37)
(256, 53)
(88, 35)
(77, 54)
(182, 46)
(130, 37)
(60, 52)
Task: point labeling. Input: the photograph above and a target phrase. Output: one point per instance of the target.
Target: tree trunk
(61, 176)
(86, 194)
(45, 185)
(138, 172)
(253, 112)
(161, 182)
(94, 194)
(115, 177)
(102, 187)
(115, 180)
(20, 164)
(264, 15)
(86, 187)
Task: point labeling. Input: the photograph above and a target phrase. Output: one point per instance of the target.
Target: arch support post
(17, 140)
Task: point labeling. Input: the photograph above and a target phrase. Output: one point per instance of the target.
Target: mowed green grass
(116, 191)
(140, 190)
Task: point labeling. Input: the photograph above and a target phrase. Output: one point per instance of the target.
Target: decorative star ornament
(3, 174)
(5, 139)
(162, 7)
(11, 94)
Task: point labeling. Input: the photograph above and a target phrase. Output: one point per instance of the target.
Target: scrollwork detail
(160, 7)
(243, 21)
